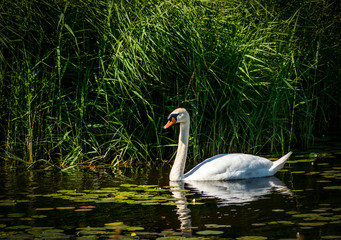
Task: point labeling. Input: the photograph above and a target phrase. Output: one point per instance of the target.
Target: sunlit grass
(92, 82)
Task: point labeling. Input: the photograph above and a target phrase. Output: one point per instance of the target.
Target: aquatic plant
(88, 82)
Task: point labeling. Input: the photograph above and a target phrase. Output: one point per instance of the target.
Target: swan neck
(177, 172)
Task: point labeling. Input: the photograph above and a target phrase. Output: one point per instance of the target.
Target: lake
(303, 201)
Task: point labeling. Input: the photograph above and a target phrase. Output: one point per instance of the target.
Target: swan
(219, 167)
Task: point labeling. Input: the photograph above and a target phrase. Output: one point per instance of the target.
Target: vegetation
(93, 81)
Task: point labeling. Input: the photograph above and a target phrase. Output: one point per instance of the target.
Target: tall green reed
(92, 82)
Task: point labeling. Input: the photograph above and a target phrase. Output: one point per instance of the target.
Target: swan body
(219, 167)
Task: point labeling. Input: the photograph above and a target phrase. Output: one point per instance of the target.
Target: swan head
(179, 115)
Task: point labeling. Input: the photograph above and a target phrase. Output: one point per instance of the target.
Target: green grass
(92, 82)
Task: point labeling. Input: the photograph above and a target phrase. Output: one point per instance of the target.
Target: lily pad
(16, 215)
(128, 185)
(258, 224)
(273, 223)
(210, 232)
(18, 227)
(286, 222)
(114, 224)
(312, 224)
(132, 229)
(23, 201)
(7, 203)
(65, 208)
(44, 209)
(306, 215)
(39, 216)
(66, 191)
(278, 210)
(307, 160)
(148, 186)
(252, 238)
(291, 212)
(217, 226)
(83, 210)
(332, 187)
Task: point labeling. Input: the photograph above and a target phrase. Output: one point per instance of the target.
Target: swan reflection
(183, 212)
(239, 192)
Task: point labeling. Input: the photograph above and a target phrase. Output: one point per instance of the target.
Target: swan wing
(230, 166)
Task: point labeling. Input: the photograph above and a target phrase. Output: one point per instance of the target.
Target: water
(301, 202)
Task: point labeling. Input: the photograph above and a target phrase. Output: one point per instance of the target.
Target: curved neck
(177, 172)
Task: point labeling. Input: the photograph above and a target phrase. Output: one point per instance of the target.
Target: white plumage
(219, 167)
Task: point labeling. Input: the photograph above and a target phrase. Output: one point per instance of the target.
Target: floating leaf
(323, 181)
(278, 210)
(7, 203)
(332, 188)
(34, 195)
(292, 212)
(320, 210)
(131, 229)
(108, 189)
(88, 207)
(122, 227)
(155, 190)
(307, 160)
(83, 210)
(210, 232)
(297, 172)
(217, 226)
(149, 203)
(66, 191)
(252, 238)
(18, 227)
(114, 224)
(44, 209)
(312, 224)
(65, 208)
(258, 224)
(273, 223)
(335, 222)
(171, 204)
(148, 186)
(15, 215)
(39, 216)
(286, 222)
(54, 195)
(307, 215)
(128, 185)
(312, 173)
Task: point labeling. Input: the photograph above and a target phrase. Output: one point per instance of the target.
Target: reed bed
(92, 82)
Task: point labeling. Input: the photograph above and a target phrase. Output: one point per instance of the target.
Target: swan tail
(277, 165)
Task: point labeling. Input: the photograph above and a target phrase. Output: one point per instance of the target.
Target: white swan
(219, 167)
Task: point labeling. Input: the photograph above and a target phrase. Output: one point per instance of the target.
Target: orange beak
(169, 123)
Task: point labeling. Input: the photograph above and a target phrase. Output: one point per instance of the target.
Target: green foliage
(89, 81)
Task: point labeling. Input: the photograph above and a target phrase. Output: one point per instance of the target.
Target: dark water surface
(301, 202)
